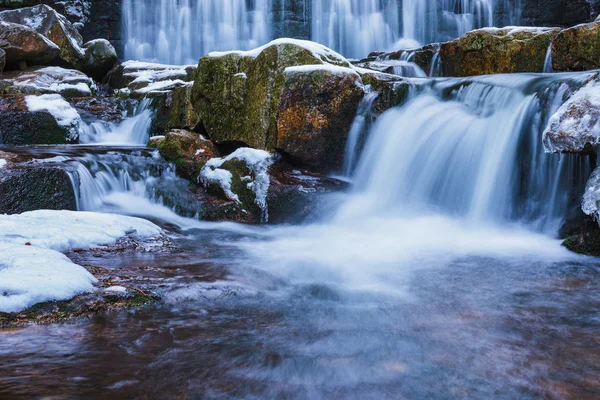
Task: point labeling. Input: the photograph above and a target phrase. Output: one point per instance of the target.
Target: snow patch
(32, 267)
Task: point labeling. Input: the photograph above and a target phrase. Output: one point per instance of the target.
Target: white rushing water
(131, 131)
(181, 31)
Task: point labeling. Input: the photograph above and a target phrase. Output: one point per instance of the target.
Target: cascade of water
(132, 131)
(355, 136)
(137, 183)
(470, 148)
(181, 31)
(548, 60)
(434, 20)
(356, 27)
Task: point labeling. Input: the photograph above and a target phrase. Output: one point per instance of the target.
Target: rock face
(21, 126)
(575, 127)
(95, 58)
(23, 46)
(239, 97)
(496, 51)
(577, 48)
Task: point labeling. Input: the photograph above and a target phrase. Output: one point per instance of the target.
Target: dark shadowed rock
(35, 187)
(20, 126)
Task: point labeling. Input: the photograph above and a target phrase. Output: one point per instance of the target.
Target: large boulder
(238, 95)
(46, 119)
(95, 58)
(496, 51)
(575, 127)
(315, 113)
(24, 46)
(577, 48)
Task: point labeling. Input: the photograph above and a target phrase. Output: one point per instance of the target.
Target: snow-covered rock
(575, 127)
(48, 80)
(32, 267)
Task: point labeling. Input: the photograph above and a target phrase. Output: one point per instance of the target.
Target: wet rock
(187, 150)
(24, 46)
(99, 58)
(577, 48)
(21, 126)
(33, 186)
(47, 80)
(315, 113)
(298, 195)
(574, 128)
(496, 51)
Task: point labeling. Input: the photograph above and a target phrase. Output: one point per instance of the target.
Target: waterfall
(132, 131)
(356, 27)
(181, 31)
(471, 149)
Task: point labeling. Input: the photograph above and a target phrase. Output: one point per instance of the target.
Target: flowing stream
(439, 274)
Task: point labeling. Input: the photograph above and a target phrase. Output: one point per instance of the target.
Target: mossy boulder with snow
(45, 119)
(241, 178)
(496, 51)
(24, 46)
(575, 127)
(577, 48)
(315, 113)
(187, 150)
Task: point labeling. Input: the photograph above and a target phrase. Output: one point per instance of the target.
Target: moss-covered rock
(316, 110)
(174, 110)
(577, 48)
(236, 94)
(99, 57)
(187, 150)
(496, 51)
